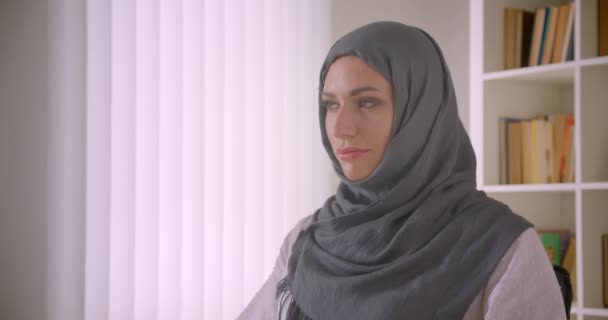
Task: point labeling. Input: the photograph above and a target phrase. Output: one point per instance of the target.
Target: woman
(407, 235)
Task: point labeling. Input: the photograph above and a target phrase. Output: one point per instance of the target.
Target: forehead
(349, 72)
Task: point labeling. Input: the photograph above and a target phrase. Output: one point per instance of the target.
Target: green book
(551, 242)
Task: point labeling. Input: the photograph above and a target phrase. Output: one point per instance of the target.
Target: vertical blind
(203, 150)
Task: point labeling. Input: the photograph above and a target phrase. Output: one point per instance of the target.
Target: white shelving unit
(579, 87)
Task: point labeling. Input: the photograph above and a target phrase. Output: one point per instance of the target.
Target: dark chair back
(563, 278)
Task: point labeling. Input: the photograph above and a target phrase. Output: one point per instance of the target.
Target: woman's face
(359, 103)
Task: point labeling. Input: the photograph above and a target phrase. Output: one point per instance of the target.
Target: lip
(350, 153)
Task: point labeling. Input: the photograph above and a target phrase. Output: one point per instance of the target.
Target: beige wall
(446, 21)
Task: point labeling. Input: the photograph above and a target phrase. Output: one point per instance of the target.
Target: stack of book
(537, 150)
(560, 246)
(540, 37)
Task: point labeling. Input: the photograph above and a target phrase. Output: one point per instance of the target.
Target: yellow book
(544, 151)
(509, 25)
(560, 33)
(514, 165)
(527, 152)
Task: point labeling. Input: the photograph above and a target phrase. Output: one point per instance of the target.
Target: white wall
(41, 181)
(446, 21)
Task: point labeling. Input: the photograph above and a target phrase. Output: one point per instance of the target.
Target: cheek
(381, 129)
(329, 127)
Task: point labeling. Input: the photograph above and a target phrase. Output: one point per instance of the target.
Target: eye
(368, 103)
(330, 105)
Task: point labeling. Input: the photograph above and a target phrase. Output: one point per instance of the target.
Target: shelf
(595, 185)
(595, 62)
(552, 74)
(557, 73)
(593, 312)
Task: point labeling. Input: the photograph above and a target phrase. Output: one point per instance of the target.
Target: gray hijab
(415, 239)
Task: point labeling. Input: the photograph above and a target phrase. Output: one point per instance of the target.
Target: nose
(346, 121)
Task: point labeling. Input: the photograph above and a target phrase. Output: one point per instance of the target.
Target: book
(528, 26)
(567, 51)
(549, 39)
(517, 37)
(570, 159)
(526, 151)
(510, 17)
(537, 151)
(551, 243)
(542, 133)
(509, 151)
(514, 167)
(519, 30)
(602, 27)
(537, 35)
(566, 149)
(558, 122)
(560, 33)
(569, 263)
(543, 39)
(564, 240)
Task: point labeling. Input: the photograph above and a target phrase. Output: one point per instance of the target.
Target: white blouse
(523, 285)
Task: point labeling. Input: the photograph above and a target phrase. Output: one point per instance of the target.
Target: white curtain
(203, 150)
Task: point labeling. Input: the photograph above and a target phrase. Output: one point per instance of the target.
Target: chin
(354, 172)
(355, 176)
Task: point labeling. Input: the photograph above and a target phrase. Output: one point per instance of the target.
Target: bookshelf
(580, 87)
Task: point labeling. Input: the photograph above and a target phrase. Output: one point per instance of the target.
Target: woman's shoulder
(525, 252)
(300, 226)
(290, 239)
(264, 303)
(524, 282)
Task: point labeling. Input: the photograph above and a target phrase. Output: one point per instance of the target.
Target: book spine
(603, 27)
(539, 22)
(548, 12)
(550, 39)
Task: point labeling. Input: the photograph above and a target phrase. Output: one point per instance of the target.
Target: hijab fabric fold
(415, 239)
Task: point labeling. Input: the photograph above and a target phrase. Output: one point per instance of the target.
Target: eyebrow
(353, 92)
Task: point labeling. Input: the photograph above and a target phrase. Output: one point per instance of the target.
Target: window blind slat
(170, 162)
